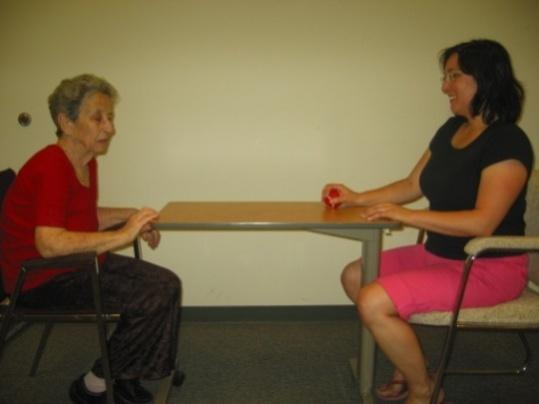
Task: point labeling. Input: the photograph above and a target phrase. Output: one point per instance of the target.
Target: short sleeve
(52, 190)
(508, 142)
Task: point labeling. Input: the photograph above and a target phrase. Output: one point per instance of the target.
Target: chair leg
(444, 361)
(178, 378)
(4, 328)
(16, 329)
(41, 347)
(7, 319)
(503, 371)
(102, 333)
(527, 350)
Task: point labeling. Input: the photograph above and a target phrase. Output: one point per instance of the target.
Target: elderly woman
(474, 175)
(51, 210)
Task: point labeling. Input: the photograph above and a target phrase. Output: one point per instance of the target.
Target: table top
(262, 215)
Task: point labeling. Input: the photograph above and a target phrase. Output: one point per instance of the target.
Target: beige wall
(252, 100)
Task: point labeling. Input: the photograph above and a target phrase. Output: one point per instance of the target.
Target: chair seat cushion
(522, 312)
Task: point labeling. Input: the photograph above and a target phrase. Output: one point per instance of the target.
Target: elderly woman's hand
(150, 235)
(141, 222)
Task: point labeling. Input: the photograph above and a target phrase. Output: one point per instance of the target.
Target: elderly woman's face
(94, 127)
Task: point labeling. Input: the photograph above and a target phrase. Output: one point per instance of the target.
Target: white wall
(252, 100)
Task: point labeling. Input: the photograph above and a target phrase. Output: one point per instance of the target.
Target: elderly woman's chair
(11, 314)
(6, 179)
(519, 315)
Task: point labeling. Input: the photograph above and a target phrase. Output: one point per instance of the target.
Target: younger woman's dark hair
(500, 95)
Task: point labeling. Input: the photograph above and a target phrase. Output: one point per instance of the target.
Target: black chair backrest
(6, 179)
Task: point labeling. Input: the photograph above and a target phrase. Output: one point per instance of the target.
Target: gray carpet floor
(266, 362)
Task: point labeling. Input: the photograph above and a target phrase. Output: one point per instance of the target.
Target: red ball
(334, 193)
(328, 199)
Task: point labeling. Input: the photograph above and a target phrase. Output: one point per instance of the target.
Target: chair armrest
(64, 261)
(85, 259)
(479, 245)
(78, 260)
(137, 252)
(116, 226)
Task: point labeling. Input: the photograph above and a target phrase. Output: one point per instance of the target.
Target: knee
(173, 280)
(168, 286)
(174, 285)
(351, 276)
(373, 304)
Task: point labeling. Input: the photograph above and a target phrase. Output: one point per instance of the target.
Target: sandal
(387, 393)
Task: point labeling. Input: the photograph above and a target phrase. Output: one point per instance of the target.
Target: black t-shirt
(450, 179)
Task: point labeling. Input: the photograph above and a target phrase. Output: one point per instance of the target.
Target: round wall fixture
(24, 118)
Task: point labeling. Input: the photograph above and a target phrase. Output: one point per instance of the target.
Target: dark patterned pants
(144, 342)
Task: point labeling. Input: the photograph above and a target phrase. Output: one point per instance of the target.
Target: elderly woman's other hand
(150, 235)
(140, 223)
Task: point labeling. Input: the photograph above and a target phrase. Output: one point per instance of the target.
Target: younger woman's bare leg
(351, 279)
(351, 283)
(396, 339)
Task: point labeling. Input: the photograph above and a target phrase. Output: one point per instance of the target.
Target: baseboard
(268, 313)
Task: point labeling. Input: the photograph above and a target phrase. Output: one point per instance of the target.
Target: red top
(46, 192)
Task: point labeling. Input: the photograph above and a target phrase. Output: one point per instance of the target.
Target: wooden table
(306, 216)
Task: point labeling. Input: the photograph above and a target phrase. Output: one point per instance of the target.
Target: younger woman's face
(459, 87)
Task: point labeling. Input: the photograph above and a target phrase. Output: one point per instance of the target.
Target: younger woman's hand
(388, 211)
(334, 195)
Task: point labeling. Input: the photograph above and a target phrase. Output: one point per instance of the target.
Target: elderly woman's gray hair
(70, 93)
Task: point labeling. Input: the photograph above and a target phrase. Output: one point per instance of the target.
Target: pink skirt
(418, 281)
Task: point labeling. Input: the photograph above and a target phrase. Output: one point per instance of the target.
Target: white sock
(94, 384)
